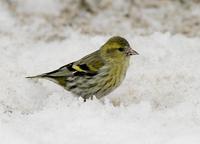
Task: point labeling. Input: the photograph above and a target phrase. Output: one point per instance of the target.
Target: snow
(158, 102)
(51, 7)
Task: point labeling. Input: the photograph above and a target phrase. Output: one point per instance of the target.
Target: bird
(96, 74)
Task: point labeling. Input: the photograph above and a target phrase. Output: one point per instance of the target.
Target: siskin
(96, 74)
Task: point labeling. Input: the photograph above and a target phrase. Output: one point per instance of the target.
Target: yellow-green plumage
(96, 74)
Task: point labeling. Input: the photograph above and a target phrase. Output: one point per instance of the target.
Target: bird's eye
(121, 49)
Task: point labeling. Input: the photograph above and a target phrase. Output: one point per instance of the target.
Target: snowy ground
(158, 103)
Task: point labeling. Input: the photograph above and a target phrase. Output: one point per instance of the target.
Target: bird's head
(117, 49)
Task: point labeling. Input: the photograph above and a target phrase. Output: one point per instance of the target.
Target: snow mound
(158, 101)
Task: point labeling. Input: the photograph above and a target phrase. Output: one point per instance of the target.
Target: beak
(130, 52)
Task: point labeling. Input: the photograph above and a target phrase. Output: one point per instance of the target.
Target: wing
(87, 66)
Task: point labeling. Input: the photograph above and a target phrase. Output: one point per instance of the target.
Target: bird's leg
(84, 100)
(91, 97)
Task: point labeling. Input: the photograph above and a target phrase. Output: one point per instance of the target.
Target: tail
(37, 76)
(61, 80)
(58, 76)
